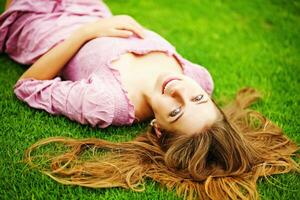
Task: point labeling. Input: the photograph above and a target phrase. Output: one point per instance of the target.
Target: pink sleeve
(85, 101)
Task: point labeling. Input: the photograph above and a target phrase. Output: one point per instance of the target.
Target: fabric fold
(84, 101)
(90, 90)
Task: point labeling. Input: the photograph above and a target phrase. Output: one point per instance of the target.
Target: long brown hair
(221, 162)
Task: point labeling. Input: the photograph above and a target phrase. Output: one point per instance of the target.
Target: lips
(166, 83)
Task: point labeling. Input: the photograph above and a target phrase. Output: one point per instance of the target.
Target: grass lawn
(242, 43)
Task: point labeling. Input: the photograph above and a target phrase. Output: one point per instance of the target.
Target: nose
(179, 93)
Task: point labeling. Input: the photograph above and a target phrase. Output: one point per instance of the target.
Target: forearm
(51, 63)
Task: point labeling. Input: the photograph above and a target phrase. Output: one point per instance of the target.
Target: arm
(86, 101)
(57, 57)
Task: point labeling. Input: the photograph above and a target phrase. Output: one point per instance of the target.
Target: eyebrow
(179, 116)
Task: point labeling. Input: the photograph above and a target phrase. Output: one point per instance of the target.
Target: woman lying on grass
(102, 70)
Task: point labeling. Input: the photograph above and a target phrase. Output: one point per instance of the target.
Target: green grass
(242, 43)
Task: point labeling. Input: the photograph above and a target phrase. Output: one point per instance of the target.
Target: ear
(156, 128)
(157, 131)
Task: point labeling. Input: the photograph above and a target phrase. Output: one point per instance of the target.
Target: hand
(115, 26)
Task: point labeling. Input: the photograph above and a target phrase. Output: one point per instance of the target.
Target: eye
(198, 98)
(175, 112)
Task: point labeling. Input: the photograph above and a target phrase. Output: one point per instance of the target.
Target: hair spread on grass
(221, 162)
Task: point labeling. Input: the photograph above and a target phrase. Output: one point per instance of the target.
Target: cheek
(193, 86)
(161, 106)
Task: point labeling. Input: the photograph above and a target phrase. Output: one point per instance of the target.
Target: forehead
(195, 118)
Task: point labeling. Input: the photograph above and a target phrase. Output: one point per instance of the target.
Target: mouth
(166, 82)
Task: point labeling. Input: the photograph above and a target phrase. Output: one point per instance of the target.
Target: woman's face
(181, 105)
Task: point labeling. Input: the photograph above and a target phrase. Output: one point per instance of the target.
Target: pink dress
(91, 91)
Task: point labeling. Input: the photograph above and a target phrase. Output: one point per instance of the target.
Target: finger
(139, 27)
(137, 24)
(131, 20)
(133, 28)
(121, 33)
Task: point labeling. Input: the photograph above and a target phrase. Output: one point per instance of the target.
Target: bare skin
(141, 75)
